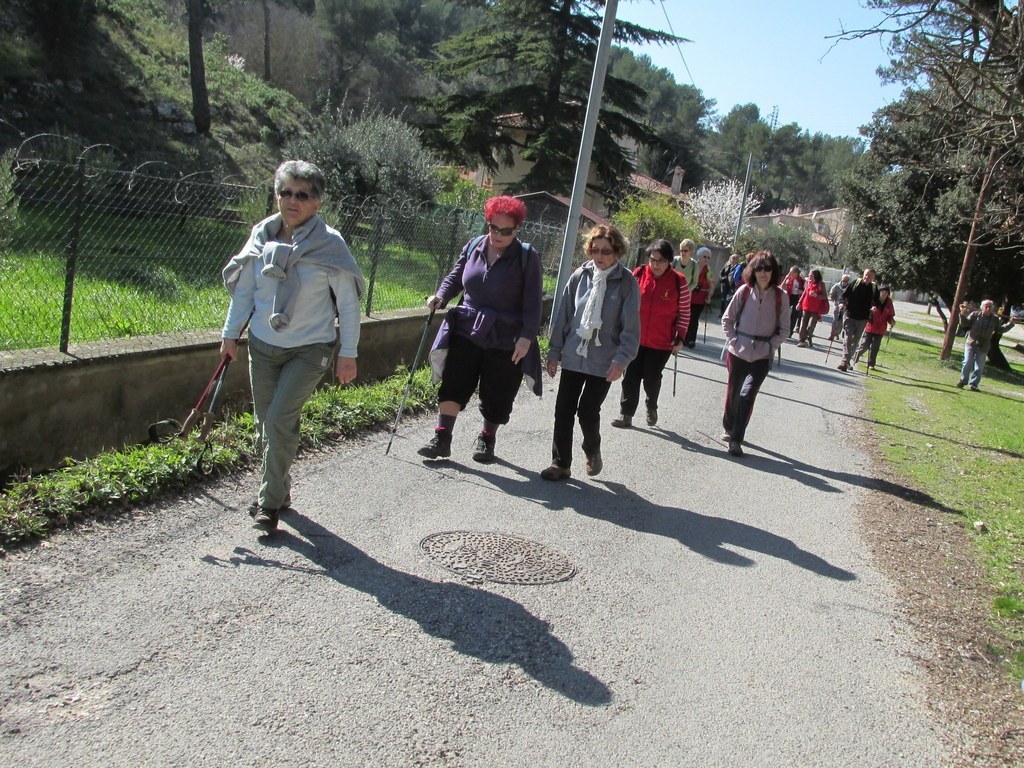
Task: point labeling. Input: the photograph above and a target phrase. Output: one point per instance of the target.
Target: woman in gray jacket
(594, 336)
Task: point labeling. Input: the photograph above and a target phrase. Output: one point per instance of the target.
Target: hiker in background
(835, 295)
(813, 305)
(725, 281)
(882, 318)
(700, 294)
(594, 336)
(857, 300)
(685, 264)
(293, 277)
(489, 339)
(793, 285)
(664, 314)
(754, 326)
(981, 326)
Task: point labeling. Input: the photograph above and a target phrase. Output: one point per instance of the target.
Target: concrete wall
(102, 397)
(54, 406)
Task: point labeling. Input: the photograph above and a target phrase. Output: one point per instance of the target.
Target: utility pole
(579, 186)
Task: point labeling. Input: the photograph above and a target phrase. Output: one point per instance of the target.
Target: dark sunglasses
(503, 231)
(602, 251)
(656, 260)
(287, 194)
(763, 268)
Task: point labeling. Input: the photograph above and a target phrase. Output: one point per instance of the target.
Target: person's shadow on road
(706, 535)
(476, 622)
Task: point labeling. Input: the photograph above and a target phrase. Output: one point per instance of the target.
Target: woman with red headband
(489, 339)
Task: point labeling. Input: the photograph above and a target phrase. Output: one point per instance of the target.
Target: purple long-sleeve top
(510, 291)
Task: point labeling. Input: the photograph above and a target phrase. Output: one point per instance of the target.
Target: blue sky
(774, 54)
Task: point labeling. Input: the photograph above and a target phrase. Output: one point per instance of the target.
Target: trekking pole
(887, 335)
(408, 384)
(831, 341)
(196, 413)
(675, 371)
(705, 330)
(204, 431)
(780, 357)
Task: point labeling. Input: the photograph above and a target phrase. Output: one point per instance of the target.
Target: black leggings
(646, 367)
(580, 395)
(745, 381)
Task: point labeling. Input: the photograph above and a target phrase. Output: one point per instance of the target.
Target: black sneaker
(483, 451)
(961, 384)
(735, 448)
(652, 417)
(440, 445)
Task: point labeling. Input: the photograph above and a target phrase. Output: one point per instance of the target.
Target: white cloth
(590, 322)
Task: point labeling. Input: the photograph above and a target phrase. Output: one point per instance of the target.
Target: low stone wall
(100, 397)
(54, 406)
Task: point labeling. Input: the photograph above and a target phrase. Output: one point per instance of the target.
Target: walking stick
(675, 371)
(887, 335)
(831, 341)
(196, 413)
(412, 372)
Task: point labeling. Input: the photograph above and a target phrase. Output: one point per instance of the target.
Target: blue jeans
(974, 365)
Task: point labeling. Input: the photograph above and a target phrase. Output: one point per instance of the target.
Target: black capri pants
(469, 366)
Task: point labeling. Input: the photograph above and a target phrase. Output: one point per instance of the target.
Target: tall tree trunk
(266, 40)
(197, 67)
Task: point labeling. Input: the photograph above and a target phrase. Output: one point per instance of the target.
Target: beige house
(830, 228)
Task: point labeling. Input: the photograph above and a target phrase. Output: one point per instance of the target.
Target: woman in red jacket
(883, 317)
(813, 305)
(664, 316)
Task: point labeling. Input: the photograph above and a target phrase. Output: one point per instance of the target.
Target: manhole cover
(497, 557)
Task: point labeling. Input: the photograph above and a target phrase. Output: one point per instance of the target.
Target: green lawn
(962, 448)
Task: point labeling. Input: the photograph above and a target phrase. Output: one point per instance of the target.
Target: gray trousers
(853, 330)
(282, 381)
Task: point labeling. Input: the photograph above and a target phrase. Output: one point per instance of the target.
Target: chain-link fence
(91, 252)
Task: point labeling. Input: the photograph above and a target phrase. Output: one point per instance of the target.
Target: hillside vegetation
(120, 76)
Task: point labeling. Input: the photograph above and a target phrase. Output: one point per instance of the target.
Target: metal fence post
(377, 243)
(72, 256)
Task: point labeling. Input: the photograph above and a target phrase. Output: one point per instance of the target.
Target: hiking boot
(735, 448)
(483, 451)
(801, 344)
(440, 445)
(623, 422)
(652, 417)
(843, 367)
(726, 437)
(555, 472)
(961, 384)
(974, 388)
(267, 518)
(594, 463)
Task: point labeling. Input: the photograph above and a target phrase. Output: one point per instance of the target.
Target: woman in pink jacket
(755, 326)
(813, 305)
(882, 318)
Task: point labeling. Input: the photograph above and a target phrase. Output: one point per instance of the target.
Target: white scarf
(590, 323)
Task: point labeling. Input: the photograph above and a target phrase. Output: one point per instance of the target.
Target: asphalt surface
(724, 612)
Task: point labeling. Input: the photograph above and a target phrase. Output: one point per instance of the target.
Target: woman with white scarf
(594, 336)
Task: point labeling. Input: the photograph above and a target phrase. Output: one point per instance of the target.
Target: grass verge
(33, 507)
(964, 449)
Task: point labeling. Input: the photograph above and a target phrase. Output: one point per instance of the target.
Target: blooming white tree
(716, 206)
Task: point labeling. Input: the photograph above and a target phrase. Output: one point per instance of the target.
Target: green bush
(644, 218)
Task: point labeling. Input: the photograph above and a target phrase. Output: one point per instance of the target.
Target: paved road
(724, 612)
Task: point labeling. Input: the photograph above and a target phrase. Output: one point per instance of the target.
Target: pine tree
(529, 67)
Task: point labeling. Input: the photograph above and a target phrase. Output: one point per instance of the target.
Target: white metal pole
(579, 185)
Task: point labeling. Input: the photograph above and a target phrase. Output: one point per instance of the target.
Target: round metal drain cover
(497, 557)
